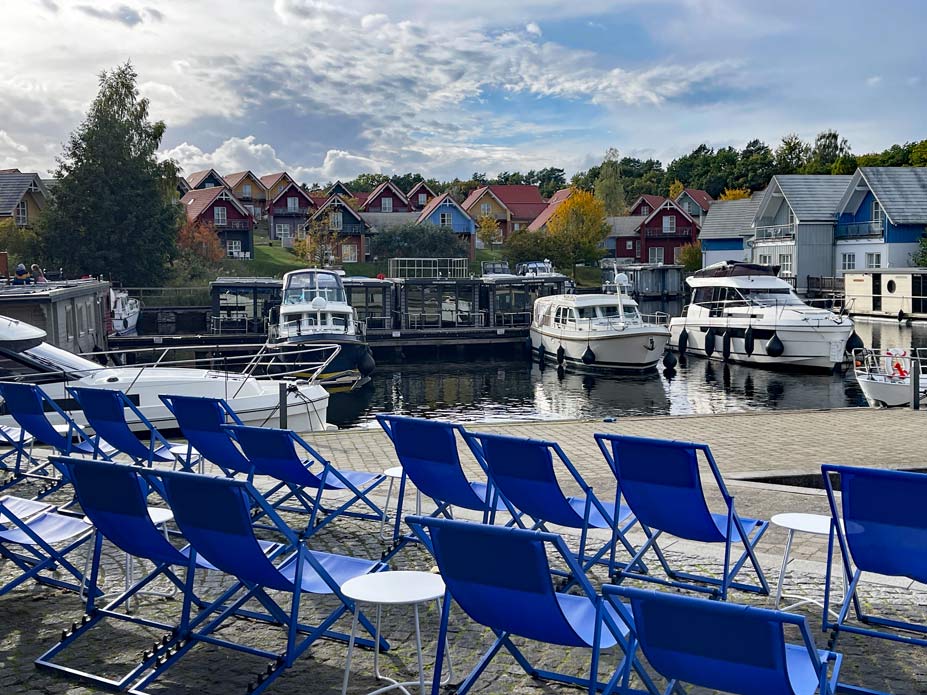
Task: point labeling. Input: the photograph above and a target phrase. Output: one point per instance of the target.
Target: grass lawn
(268, 261)
(588, 276)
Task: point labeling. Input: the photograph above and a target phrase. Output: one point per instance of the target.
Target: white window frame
(873, 260)
(656, 254)
(669, 228)
(848, 261)
(877, 212)
(446, 219)
(336, 221)
(422, 198)
(764, 259)
(300, 231)
(386, 204)
(516, 226)
(233, 248)
(22, 213)
(246, 190)
(645, 209)
(292, 203)
(349, 253)
(785, 264)
(216, 216)
(677, 255)
(629, 245)
(282, 231)
(485, 209)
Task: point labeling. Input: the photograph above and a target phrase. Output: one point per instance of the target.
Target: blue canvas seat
(287, 457)
(522, 470)
(501, 578)
(882, 529)
(105, 410)
(214, 514)
(661, 483)
(37, 540)
(721, 646)
(202, 420)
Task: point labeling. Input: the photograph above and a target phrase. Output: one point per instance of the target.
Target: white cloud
(533, 29)
(874, 81)
(9, 147)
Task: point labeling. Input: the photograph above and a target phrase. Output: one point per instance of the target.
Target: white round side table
(395, 473)
(796, 522)
(393, 589)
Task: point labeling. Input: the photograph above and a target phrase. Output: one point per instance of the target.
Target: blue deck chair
(213, 513)
(722, 646)
(661, 483)
(883, 530)
(287, 457)
(202, 420)
(501, 578)
(105, 410)
(37, 542)
(522, 470)
(427, 451)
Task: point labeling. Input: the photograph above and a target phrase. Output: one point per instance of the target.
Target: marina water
(512, 388)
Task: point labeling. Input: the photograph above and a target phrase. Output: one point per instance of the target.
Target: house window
(637, 249)
(791, 218)
(677, 254)
(300, 231)
(335, 221)
(629, 245)
(218, 216)
(485, 209)
(655, 254)
(876, 212)
(283, 231)
(645, 209)
(246, 191)
(386, 204)
(669, 224)
(765, 259)
(69, 321)
(209, 184)
(785, 264)
(693, 209)
(446, 219)
(233, 248)
(516, 226)
(22, 214)
(848, 261)
(422, 198)
(348, 253)
(873, 260)
(292, 204)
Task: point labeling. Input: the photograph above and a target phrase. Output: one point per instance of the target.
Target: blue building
(446, 212)
(727, 229)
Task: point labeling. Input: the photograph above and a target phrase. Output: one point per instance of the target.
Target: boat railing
(891, 364)
(300, 327)
(512, 318)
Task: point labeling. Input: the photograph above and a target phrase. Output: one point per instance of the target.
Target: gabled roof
(332, 201)
(270, 180)
(197, 177)
(298, 189)
(624, 225)
(654, 201)
(701, 198)
(439, 201)
(812, 198)
(333, 189)
(196, 201)
(666, 205)
(381, 189)
(233, 180)
(728, 219)
(524, 202)
(414, 190)
(14, 185)
(901, 191)
(182, 184)
(555, 201)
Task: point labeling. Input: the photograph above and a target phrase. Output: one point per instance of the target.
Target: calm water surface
(488, 389)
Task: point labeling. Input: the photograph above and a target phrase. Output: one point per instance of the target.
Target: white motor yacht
(743, 312)
(26, 357)
(125, 312)
(597, 331)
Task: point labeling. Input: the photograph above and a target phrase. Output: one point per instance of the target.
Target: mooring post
(915, 382)
(283, 409)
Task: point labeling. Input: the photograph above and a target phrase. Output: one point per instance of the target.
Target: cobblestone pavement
(746, 446)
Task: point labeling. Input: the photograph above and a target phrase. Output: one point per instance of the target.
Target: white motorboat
(125, 312)
(884, 376)
(25, 357)
(597, 331)
(743, 312)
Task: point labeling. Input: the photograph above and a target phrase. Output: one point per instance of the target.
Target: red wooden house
(654, 237)
(233, 223)
(386, 198)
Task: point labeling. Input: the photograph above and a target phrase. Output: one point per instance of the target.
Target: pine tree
(114, 210)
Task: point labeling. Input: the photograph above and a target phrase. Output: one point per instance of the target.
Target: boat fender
(669, 360)
(748, 341)
(366, 364)
(726, 345)
(529, 347)
(854, 342)
(683, 341)
(900, 315)
(710, 342)
(774, 346)
(561, 354)
(541, 353)
(588, 356)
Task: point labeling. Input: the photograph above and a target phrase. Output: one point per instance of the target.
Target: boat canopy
(18, 336)
(728, 269)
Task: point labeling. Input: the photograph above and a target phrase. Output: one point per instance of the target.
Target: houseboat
(892, 293)
(597, 332)
(743, 312)
(314, 311)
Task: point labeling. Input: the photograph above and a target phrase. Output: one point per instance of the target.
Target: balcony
(685, 232)
(775, 232)
(233, 224)
(297, 212)
(858, 230)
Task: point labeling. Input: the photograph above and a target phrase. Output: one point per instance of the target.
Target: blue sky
(328, 89)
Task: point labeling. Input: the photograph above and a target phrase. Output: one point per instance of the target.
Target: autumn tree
(522, 246)
(317, 246)
(690, 256)
(576, 231)
(413, 240)
(735, 194)
(676, 188)
(487, 230)
(199, 252)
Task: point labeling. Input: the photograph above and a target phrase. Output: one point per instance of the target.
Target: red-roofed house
(233, 223)
(208, 178)
(276, 183)
(249, 191)
(646, 204)
(664, 232)
(419, 195)
(695, 202)
(513, 207)
(288, 212)
(556, 200)
(386, 198)
(350, 227)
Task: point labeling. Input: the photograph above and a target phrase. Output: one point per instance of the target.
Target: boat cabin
(372, 301)
(508, 299)
(243, 305)
(587, 312)
(313, 302)
(891, 292)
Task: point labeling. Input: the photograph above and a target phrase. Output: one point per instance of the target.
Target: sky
(326, 89)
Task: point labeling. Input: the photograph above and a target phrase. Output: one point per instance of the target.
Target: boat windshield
(607, 311)
(304, 287)
(60, 360)
(778, 296)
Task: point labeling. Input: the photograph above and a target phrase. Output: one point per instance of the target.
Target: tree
(199, 252)
(487, 230)
(608, 185)
(690, 256)
(113, 210)
(845, 164)
(676, 188)
(755, 167)
(791, 154)
(735, 194)
(576, 231)
(919, 154)
(418, 241)
(22, 243)
(919, 257)
(827, 149)
(549, 181)
(318, 246)
(524, 246)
